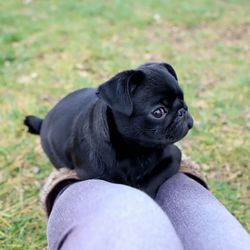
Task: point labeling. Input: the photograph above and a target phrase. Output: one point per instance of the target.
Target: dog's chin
(161, 142)
(170, 139)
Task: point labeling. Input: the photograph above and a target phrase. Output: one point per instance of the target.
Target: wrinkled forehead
(159, 82)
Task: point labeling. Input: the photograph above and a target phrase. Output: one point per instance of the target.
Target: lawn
(49, 48)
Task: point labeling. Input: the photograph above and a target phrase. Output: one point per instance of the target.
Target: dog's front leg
(167, 167)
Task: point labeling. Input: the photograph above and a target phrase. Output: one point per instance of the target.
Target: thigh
(200, 220)
(96, 215)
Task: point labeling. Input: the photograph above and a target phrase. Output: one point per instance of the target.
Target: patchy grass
(48, 48)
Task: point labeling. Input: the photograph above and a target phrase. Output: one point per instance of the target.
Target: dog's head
(147, 105)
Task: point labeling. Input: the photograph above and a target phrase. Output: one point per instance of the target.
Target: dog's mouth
(179, 128)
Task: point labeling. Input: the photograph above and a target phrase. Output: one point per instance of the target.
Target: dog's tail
(33, 123)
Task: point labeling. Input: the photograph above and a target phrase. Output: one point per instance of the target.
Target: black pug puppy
(123, 131)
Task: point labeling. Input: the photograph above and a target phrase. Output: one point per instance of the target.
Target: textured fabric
(97, 215)
(200, 220)
(53, 184)
(193, 170)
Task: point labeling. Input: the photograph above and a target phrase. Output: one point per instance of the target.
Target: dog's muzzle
(183, 114)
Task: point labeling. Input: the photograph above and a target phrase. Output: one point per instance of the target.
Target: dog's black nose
(190, 123)
(185, 106)
(181, 112)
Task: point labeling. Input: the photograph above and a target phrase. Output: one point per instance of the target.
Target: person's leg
(97, 215)
(199, 219)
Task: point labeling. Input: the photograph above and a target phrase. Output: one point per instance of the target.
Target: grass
(49, 48)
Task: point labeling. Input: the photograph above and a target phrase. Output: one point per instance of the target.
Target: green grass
(49, 48)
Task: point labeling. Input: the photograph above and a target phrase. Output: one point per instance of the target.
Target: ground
(49, 48)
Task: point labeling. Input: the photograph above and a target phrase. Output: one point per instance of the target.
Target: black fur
(111, 132)
(33, 123)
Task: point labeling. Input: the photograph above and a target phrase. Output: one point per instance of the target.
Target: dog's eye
(159, 112)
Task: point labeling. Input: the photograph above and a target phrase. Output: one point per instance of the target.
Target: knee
(88, 194)
(98, 211)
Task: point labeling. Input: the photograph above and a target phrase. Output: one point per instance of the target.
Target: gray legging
(95, 214)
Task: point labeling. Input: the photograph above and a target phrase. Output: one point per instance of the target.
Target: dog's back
(56, 128)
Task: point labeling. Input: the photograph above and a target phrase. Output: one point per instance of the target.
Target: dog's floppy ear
(170, 70)
(116, 92)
